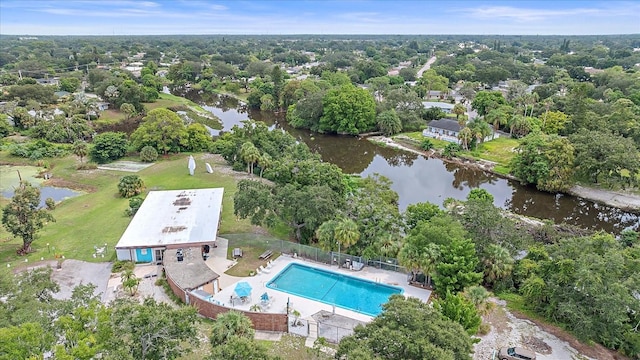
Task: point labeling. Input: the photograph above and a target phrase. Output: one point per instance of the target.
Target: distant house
(54, 81)
(102, 106)
(169, 220)
(447, 108)
(443, 129)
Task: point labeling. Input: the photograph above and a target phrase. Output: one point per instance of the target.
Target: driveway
(76, 272)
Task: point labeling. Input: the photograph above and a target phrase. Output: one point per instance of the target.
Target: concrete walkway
(219, 263)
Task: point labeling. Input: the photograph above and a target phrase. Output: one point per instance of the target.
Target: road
(425, 67)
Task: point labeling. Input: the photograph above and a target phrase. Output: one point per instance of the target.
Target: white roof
(175, 217)
(429, 104)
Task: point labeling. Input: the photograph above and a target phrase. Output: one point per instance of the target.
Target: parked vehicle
(516, 353)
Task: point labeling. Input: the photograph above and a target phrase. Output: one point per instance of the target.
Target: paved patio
(219, 263)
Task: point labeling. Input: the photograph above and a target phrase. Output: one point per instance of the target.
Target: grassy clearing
(252, 247)
(168, 100)
(417, 138)
(97, 217)
(500, 150)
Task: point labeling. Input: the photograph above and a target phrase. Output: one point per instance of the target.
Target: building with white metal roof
(169, 220)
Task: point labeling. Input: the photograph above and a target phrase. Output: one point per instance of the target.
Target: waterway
(418, 179)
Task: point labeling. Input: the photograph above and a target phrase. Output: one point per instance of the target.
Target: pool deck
(219, 263)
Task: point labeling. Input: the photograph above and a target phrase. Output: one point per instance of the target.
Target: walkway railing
(310, 252)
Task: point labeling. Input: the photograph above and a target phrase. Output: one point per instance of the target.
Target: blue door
(144, 255)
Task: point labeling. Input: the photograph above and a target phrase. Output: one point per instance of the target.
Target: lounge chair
(357, 266)
(269, 264)
(264, 270)
(258, 272)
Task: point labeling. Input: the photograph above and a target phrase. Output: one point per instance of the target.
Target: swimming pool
(333, 288)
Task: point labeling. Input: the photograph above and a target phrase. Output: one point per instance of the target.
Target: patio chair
(258, 272)
(264, 270)
(269, 264)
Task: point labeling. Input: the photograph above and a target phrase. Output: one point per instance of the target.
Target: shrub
(130, 185)
(426, 144)
(50, 203)
(148, 154)
(36, 150)
(134, 205)
(122, 265)
(109, 146)
(451, 150)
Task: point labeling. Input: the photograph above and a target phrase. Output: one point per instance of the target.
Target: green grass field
(97, 217)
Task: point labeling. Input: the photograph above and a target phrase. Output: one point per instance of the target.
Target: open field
(97, 217)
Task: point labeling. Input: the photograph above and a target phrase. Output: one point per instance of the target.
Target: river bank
(621, 200)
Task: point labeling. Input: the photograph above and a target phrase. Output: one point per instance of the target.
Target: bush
(451, 150)
(36, 150)
(130, 185)
(109, 146)
(122, 265)
(426, 144)
(134, 205)
(50, 203)
(148, 154)
(87, 166)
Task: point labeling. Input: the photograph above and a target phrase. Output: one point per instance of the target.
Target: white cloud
(528, 14)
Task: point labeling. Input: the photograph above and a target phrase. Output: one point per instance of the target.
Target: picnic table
(237, 252)
(267, 254)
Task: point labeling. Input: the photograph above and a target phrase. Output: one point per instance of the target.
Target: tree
(69, 84)
(459, 110)
(498, 264)
(108, 146)
(161, 128)
(389, 122)
(349, 110)
(130, 281)
(546, 161)
(346, 233)
(484, 101)
(480, 194)
(250, 155)
(23, 217)
(129, 110)
(423, 211)
(229, 325)
(466, 136)
(80, 149)
(151, 330)
(197, 138)
(456, 268)
(457, 308)
(130, 186)
(407, 329)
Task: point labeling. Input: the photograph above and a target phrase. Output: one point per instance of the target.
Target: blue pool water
(332, 288)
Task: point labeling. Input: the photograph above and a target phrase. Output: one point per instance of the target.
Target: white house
(170, 220)
(443, 129)
(446, 107)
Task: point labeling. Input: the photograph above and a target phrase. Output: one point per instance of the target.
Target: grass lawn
(417, 138)
(168, 100)
(500, 150)
(97, 217)
(252, 247)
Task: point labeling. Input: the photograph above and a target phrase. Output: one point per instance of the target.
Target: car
(516, 353)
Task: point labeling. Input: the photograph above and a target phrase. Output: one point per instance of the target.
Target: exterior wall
(261, 321)
(125, 254)
(440, 134)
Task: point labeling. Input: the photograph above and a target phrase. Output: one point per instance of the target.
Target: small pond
(9, 180)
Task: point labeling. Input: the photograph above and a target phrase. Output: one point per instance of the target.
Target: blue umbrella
(243, 289)
(264, 297)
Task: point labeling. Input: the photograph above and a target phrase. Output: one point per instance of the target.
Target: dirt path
(549, 342)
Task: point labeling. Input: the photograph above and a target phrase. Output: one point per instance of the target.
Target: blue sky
(158, 17)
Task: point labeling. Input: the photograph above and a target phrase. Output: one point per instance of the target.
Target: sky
(166, 17)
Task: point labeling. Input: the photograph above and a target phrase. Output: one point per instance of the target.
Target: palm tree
(346, 232)
(265, 161)
(409, 257)
(80, 149)
(478, 295)
(389, 245)
(130, 281)
(497, 262)
(249, 154)
(429, 260)
(458, 109)
(230, 324)
(480, 129)
(465, 137)
(325, 234)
